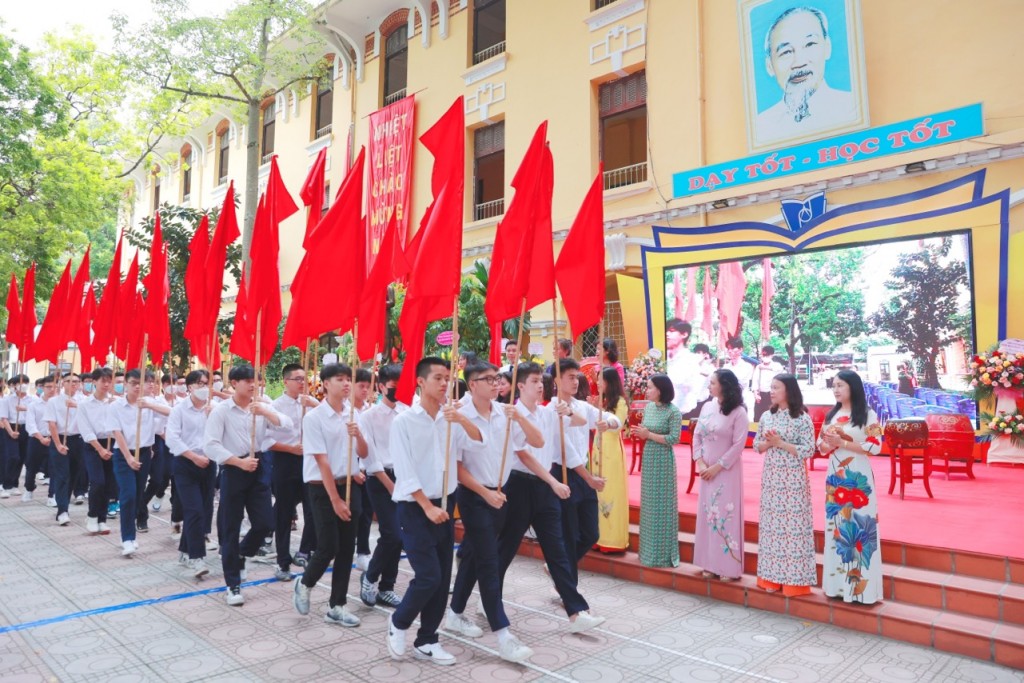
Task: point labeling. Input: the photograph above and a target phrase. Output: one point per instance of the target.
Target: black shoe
(143, 528)
(300, 559)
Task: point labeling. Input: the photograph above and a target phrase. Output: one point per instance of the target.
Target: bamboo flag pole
(453, 384)
(305, 386)
(558, 380)
(600, 405)
(352, 415)
(67, 411)
(259, 341)
(138, 402)
(515, 370)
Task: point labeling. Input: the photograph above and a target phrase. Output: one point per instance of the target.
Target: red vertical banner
(389, 158)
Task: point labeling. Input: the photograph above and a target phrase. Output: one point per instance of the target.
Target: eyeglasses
(490, 379)
(295, 379)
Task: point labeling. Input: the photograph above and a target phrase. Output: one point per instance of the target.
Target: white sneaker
(79, 500)
(211, 545)
(362, 562)
(156, 504)
(127, 549)
(300, 598)
(4, 493)
(92, 525)
(512, 650)
(45, 481)
(584, 622)
(434, 653)
(26, 497)
(458, 623)
(182, 559)
(51, 502)
(396, 641)
(104, 529)
(63, 519)
(341, 616)
(135, 545)
(40, 476)
(15, 491)
(198, 567)
(234, 597)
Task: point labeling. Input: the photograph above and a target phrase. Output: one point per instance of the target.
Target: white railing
(489, 209)
(325, 130)
(598, 4)
(265, 159)
(627, 175)
(394, 97)
(489, 52)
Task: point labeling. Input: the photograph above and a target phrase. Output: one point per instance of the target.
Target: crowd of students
(125, 443)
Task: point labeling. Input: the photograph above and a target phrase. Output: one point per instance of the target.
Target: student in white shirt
(39, 440)
(743, 370)
(329, 431)
(243, 488)
(377, 583)
(761, 381)
(94, 420)
(12, 420)
(361, 402)
(61, 416)
(194, 473)
(160, 472)
(483, 509)
(418, 440)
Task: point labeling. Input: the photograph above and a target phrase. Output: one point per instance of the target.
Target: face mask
(39, 393)
(168, 390)
(392, 394)
(119, 388)
(218, 385)
(87, 387)
(181, 389)
(201, 394)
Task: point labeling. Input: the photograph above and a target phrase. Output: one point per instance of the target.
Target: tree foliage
(925, 312)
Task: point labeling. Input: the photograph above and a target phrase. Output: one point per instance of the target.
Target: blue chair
(930, 398)
(968, 407)
(906, 409)
(928, 409)
(948, 401)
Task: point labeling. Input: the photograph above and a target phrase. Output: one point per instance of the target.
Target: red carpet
(984, 515)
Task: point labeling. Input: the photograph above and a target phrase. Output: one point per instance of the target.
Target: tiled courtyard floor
(71, 609)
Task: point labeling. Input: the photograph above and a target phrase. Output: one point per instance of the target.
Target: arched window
(323, 106)
(186, 172)
(396, 63)
(268, 115)
(223, 150)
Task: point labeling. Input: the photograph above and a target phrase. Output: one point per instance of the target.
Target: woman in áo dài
(613, 501)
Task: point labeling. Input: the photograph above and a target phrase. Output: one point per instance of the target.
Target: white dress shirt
(124, 418)
(228, 431)
(484, 463)
(375, 424)
(186, 428)
(34, 421)
(325, 432)
(58, 413)
(15, 416)
(577, 438)
(94, 419)
(288, 435)
(160, 421)
(546, 421)
(417, 446)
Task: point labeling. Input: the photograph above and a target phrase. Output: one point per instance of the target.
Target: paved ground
(71, 609)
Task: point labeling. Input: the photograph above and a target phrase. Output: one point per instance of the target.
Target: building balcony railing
(627, 175)
(394, 97)
(323, 131)
(185, 198)
(489, 52)
(489, 209)
(598, 4)
(265, 159)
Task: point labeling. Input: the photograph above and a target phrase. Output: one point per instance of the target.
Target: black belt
(337, 482)
(529, 475)
(390, 471)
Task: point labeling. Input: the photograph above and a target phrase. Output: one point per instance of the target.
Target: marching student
(160, 473)
(579, 511)
(327, 436)
(194, 472)
(286, 475)
(39, 444)
(483, 509)
(533, 497)
(417, 441)
(61, 416)
(94, 421)
(133, 434)
(12, 419)
(229, 438)
(360, 402)
(377, 583)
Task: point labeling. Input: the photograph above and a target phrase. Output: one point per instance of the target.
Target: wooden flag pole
(453, 384)
(373, 373)
(256, 376)
(600, 404)
(352, 414)
(138, 402)
(67, 411)
(515, 371)
(558, 380)
(305, 386)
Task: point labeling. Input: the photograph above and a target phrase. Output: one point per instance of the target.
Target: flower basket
(643, 368)
(996, 370)
(1005, 423)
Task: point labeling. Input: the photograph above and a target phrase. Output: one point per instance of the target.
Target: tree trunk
(252, 177)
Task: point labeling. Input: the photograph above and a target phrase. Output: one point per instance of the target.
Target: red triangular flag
(14, 334)
(83, 329)
(542, 257)
(76, 306)
(732, 286)
(389, 266)
(243, 335)
(103, 327)
(51, 341)
(125, 315)
(224, 234)
(691, 294)
(312, 194)
(28, 316)
(195, 293)
(134, 331)
(580, 267)
(156, 323)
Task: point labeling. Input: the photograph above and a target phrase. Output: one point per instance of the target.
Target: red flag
(83, 329)
(224, 234)
(388, 267)
(691, 294)
(126, 313)
(542, 258)
(157, 323)
(243, 335)
(51, 340)
(706, 323)
(316, 306)
(103, 326)
(580, 267)
(312, 193)
(732, 285)
(436, 274)
(76, 308)
(14, 333)
(28, 315)
(767, 292)
(677, 295)
(195, 292)
(134, 329)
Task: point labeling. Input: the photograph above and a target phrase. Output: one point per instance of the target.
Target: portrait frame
(846, 108)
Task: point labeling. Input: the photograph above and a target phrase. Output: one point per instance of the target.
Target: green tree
(230, 61)
(924, 314)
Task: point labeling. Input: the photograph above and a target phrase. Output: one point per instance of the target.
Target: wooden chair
(817, 414)
(902, 435)
(951, 437)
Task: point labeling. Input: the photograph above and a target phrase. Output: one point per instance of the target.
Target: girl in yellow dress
(613, 501)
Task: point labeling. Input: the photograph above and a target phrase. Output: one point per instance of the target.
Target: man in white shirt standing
(761, 381)
(377, 583)
(512, 356)
(230, 443)
(61, 416)
(286, 474)
(39, 442)
(194, 473)
(328, 432)
(13, 422)
(360, 401)
(743, 370)
(97, 450)
(418, 440)
(483, 509)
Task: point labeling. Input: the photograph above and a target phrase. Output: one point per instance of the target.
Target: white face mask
(218, 385)
(181, 389)
(201, 394)
(168, 390)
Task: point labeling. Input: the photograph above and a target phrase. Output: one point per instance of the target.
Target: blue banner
(897, 138)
